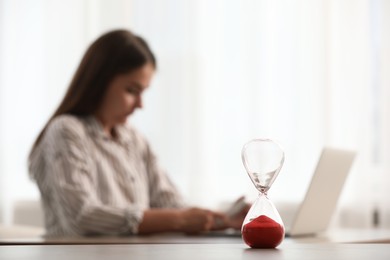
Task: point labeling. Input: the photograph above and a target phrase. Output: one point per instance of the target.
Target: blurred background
(307, 73)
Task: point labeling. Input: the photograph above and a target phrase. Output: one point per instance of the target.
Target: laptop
(315, 212)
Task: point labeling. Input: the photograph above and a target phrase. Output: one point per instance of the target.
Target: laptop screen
(320, 202)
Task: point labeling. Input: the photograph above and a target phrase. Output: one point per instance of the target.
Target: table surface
(19, 235)
(286, 251)
(338, 244)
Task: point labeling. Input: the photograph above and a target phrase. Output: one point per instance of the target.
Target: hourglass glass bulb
(263, 159)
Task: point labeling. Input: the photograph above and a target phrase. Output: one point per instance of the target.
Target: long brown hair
(113, 53)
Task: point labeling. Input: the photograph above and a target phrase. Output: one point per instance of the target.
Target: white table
(19, 235)
(19, 243)
(287, 251)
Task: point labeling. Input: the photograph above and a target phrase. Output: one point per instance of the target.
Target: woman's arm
(192, 220)
(164, 194)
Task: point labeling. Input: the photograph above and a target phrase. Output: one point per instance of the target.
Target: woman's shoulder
(59, 133)
(64, 125)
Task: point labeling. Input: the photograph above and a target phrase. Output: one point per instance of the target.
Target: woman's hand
(224, 221)
(236, 220)
(195, 220)
(190, 220)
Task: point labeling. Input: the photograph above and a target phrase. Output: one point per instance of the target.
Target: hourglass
(262, 226)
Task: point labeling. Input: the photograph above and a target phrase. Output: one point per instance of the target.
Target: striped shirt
(93, 184)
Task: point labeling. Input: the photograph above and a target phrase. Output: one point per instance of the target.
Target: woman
(98, 175)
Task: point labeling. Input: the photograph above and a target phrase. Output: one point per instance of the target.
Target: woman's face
(124, 95)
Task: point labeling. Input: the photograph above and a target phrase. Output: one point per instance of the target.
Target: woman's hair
(113, 53)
